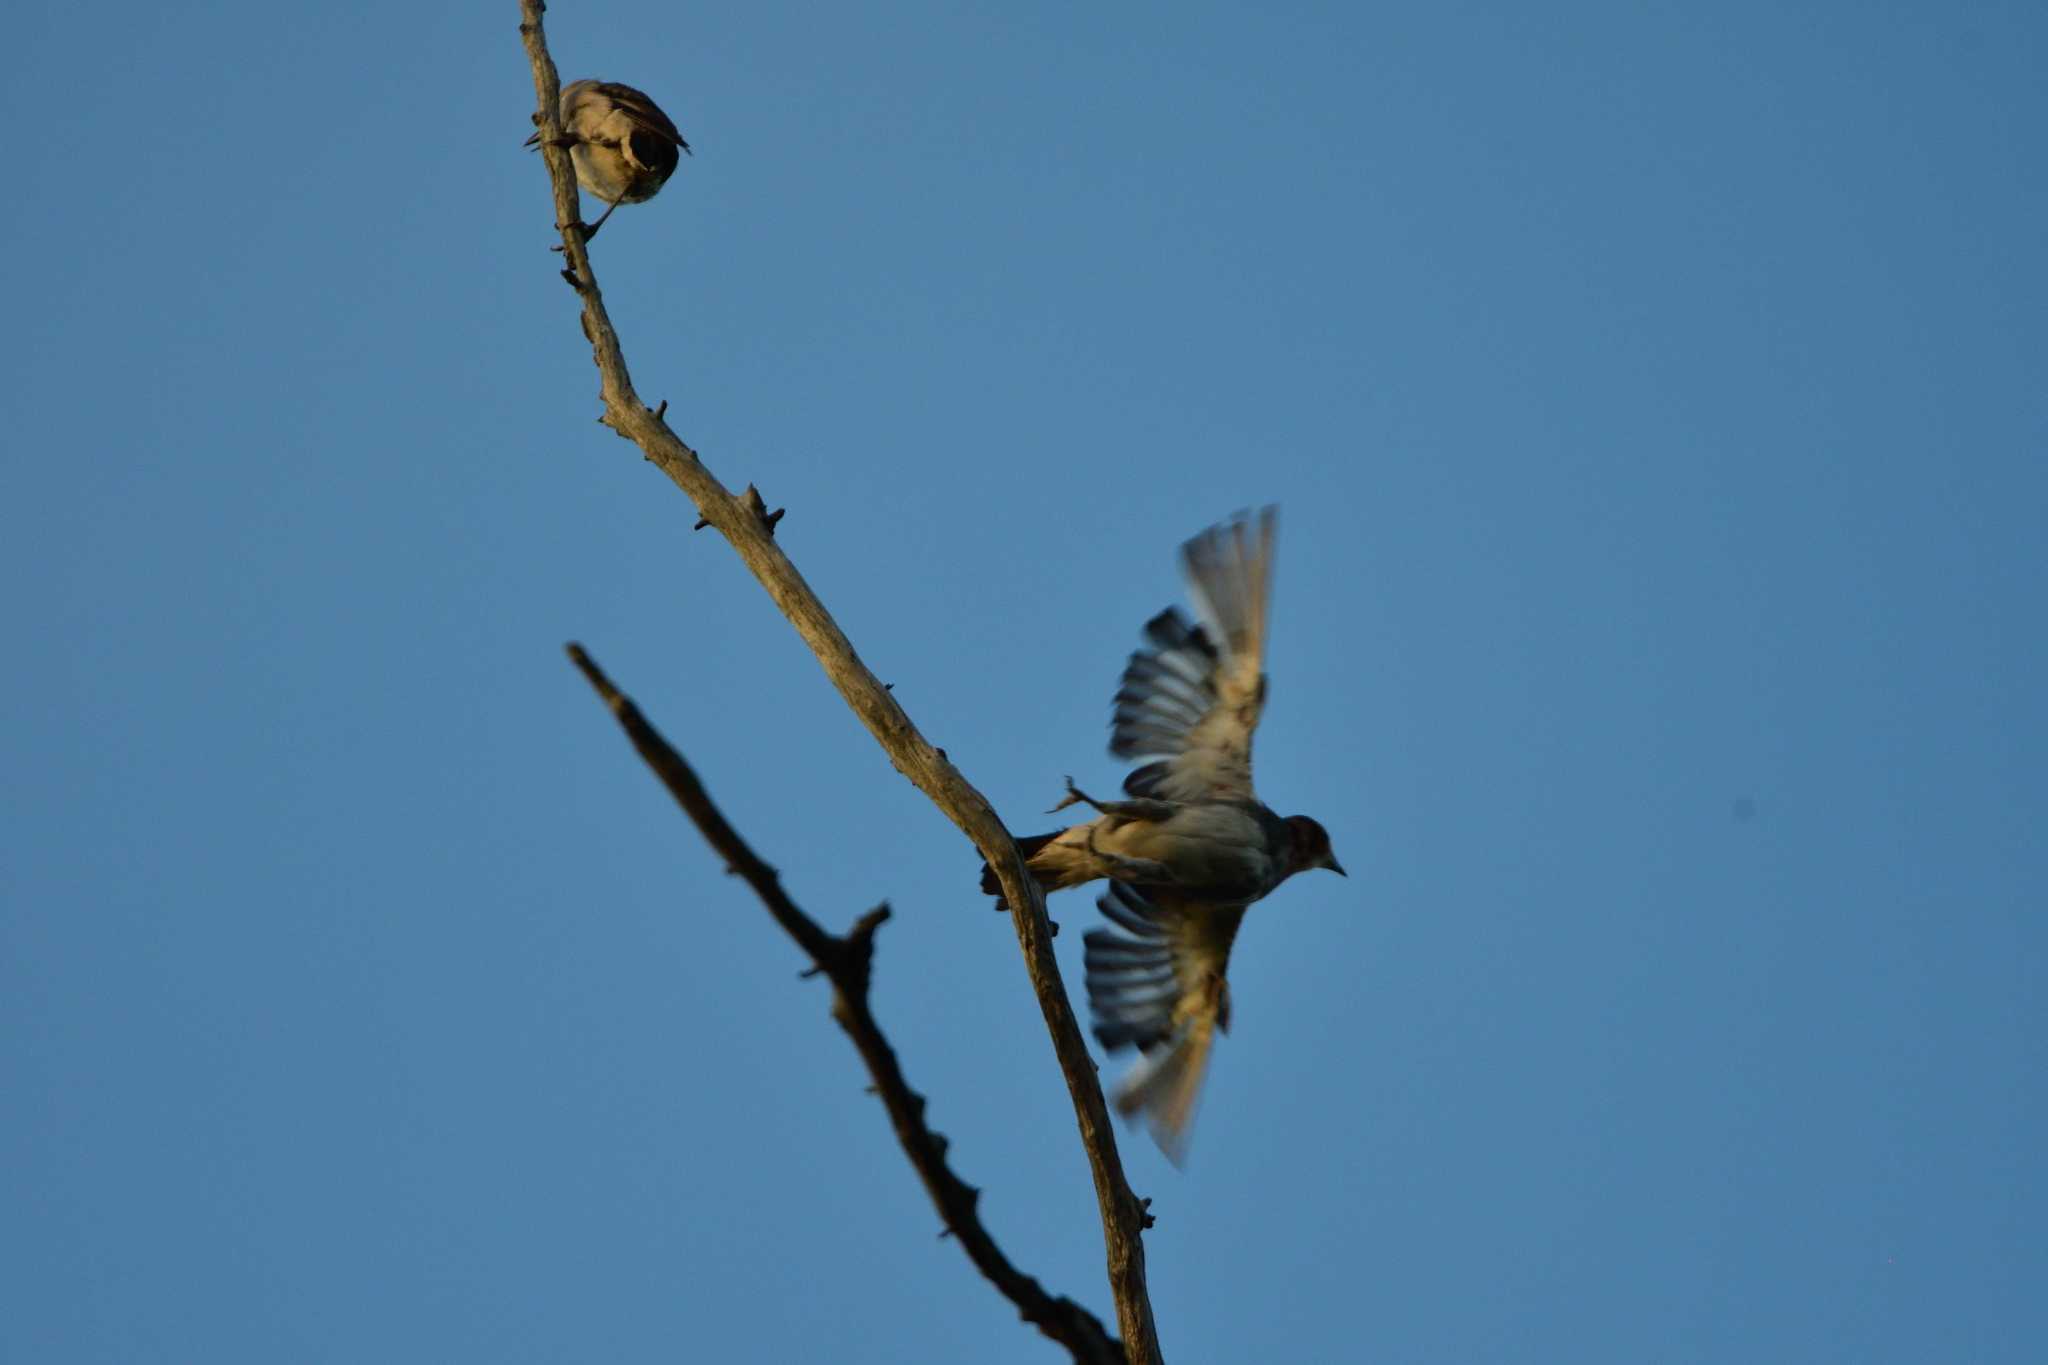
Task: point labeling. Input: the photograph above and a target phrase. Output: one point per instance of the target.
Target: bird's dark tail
(1028, 845)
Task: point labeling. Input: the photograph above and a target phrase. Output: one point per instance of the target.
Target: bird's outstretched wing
(1191, 697)
(1161, 990)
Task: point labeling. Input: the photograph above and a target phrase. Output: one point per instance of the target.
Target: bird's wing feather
(1191, 697)
(642, 110)
(1161, 990)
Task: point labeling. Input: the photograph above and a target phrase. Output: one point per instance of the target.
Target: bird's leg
(1146, 808)
(1142, 870)
(1075, 796)
(591, 231)
(1139, 808)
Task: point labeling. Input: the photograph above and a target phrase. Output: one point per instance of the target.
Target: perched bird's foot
(586, 229)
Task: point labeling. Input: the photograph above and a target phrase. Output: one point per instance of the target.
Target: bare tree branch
(1122, 1213)
(845, 963)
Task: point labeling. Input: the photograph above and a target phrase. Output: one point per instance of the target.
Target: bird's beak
(1330, 861)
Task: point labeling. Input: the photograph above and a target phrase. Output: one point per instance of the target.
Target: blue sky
(1654, 399)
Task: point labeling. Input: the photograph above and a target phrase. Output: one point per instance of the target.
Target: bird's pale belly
(606, 174)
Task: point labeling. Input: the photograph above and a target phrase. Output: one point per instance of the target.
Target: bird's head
(1308, 845)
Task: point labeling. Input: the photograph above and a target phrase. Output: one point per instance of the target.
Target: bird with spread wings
(1191, 846)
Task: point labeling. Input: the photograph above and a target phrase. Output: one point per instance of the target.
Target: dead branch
(845, 962)
(1122, 1213)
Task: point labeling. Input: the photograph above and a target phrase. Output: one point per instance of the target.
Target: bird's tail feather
(1166, 1085)
(1028, 845)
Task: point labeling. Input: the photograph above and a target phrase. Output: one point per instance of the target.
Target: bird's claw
(1075, 797)
(582, 227)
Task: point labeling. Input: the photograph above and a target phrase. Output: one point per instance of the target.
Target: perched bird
(624, 148)
(1193, 845)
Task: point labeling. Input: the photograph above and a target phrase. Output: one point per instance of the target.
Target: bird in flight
(623, 147)
(1192, 846)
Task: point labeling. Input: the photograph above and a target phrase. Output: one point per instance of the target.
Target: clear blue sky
(1654, 395)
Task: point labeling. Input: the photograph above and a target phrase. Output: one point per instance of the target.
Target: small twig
(847, 963)
(751, 501)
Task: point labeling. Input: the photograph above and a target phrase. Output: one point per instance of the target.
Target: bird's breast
(602, 170)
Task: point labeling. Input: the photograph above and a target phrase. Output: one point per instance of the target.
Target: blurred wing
(1163, 991)
(1190, 699)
